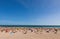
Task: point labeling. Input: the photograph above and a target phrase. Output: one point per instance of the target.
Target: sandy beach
(29, 33)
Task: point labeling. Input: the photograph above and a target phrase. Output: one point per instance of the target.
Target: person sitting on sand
(55, 30)
(36, 30)
(48, 30)
(24, 31)
(30, 29)
(7, 30)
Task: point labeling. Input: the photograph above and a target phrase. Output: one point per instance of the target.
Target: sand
(30, 35)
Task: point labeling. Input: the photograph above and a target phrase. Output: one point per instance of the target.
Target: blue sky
(30, 12)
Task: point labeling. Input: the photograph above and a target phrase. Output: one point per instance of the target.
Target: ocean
(34, 26)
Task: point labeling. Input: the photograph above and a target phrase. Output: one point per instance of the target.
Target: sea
(32, 26)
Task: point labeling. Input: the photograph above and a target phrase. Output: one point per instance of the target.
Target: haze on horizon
(30, 12)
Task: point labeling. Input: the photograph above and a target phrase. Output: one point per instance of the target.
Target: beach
(29, 33)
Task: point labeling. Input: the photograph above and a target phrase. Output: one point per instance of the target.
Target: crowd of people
(25, 30)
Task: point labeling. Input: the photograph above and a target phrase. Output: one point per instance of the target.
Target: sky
(29, 12)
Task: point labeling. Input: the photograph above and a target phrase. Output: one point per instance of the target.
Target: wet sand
(30, 33)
